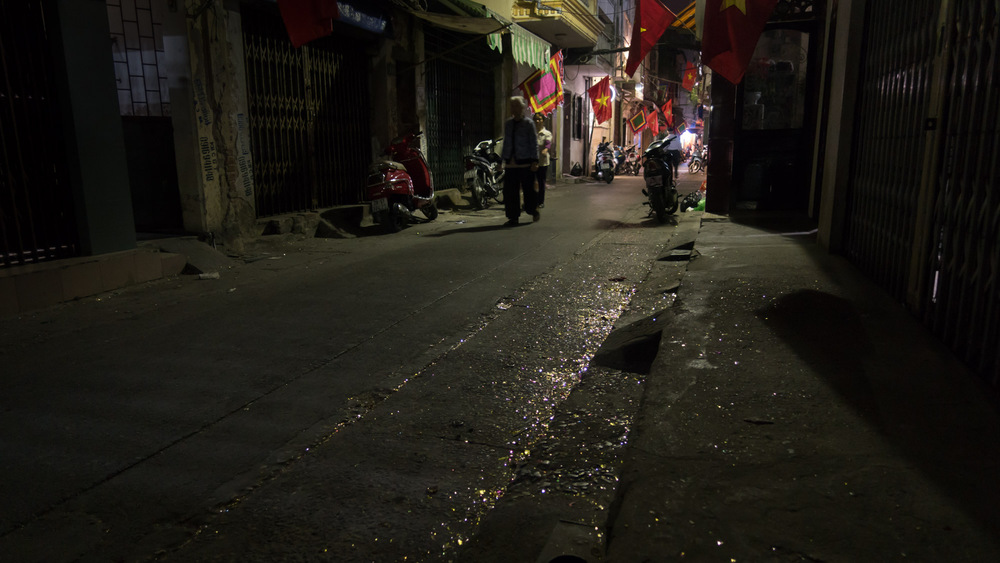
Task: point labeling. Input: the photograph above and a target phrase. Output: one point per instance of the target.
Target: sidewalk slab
(795, 412)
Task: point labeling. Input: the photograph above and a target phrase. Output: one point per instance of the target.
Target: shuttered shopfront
(461, 100)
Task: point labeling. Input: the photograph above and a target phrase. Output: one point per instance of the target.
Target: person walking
(520, 158)
(544, 147)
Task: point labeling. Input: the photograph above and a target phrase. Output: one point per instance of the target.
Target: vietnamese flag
(690, 76)
(653, 122)
(732, 28)
(668, 112)
(600, 99)
(306, 20)
(650, 21)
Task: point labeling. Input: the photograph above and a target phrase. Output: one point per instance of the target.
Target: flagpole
(593, 122)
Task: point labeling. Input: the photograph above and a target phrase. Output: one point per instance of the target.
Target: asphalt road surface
(368, 399)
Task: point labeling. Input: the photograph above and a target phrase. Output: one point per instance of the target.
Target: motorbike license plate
(654, 181)
(605, 165)
(470, 174)
(380, 205)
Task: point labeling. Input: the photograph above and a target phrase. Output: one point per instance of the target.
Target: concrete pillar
(94, 141)
(844, 59)
(211, 123)
(720, 146)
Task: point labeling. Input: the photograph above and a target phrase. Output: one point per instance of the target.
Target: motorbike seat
(386, 163)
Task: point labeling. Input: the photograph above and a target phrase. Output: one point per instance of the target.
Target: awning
(529, 48)
(526, 47)
(463, 24)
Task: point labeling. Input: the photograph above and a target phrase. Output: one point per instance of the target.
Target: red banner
(731, 31)
(600, 99)
(651, 20)
(668, 112)
(690, 77)
(306, 20)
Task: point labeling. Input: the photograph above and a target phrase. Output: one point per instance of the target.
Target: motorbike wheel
(430, 211)
(394, 221)
(498, 191)
(672, 202)
(636, 168)
(694, 167)
(609, 176)
(478, 195)
(658, 204)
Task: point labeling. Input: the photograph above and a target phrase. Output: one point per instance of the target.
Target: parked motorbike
(604, 165)
(400, 183)
(484, 173)
(658, 172)
(698, 160)
(632, 163)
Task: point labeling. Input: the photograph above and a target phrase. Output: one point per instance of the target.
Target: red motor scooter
(401, 183)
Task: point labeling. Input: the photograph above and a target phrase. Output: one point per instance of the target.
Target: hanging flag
(544, 88)
(638, 121)
(732, 28)
(690, 76)
(306, 20)
(653, 122)
(668, 112)
(650, 21)
(600, 99)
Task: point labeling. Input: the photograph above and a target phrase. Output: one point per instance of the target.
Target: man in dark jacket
(520, 158)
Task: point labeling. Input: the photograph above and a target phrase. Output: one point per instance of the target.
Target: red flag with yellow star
(600, 99)
(651, 20)
(690, 76)
(732, 28)
(653, 122)
(668, 112)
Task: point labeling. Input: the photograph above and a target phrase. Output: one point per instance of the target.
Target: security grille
(961, 296)
(308, 111)
(36, 210)
(460, 101)
(889, 154)
(924, 213)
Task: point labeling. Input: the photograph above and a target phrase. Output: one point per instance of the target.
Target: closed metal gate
(460, 101)
(962, 288)
(888, 160)
(309, 112)
(37, 219)
(924, 211)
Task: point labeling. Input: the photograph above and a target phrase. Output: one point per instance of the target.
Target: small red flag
(668, 112)
(732, 28)
(651, 20)
(653, 122)
(600, 99)
(690, 76)
(306, 20)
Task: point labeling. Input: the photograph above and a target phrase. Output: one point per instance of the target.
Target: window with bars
(137, 49)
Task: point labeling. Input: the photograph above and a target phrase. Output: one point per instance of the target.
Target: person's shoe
(536, 216)
(541, 205)
(510, 223)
